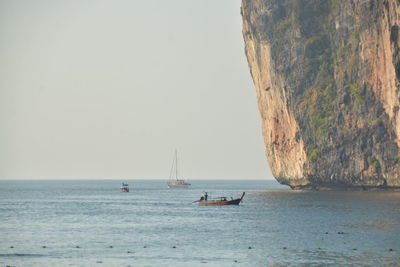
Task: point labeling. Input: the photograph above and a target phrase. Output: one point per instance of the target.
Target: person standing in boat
(205, 196)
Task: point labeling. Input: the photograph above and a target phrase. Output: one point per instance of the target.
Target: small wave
(21, 255)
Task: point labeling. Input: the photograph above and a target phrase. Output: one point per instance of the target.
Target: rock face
(327, 75)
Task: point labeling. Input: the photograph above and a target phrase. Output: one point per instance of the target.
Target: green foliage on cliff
(341, 52)
(319, 99)
(313, 155)
(320, 122)
(355, 91)
(319, 104)
(335, 4)
(311, 64)
(283, 25)
(373, 161)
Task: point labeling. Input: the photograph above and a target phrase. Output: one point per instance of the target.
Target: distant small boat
(174, 181)
(124, 188)
(219, 201)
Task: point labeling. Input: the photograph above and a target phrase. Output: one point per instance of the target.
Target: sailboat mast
(176, 162)
(172, 172)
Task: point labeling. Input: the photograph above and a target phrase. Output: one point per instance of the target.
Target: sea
(90, 223)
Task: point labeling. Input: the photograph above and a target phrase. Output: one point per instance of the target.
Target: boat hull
(124, 190)
(220, 203)
(177, 185)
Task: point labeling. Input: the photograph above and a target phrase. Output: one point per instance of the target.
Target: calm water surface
(89, 223)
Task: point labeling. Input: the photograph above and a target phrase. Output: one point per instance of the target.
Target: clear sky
(108, 89)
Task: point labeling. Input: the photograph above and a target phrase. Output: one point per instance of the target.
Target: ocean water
(90, 223)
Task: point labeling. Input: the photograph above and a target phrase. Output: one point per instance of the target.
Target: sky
(109, 89)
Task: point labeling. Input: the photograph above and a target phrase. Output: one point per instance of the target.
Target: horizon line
(126, 179)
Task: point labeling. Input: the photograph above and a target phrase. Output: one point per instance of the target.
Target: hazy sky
(108, 89)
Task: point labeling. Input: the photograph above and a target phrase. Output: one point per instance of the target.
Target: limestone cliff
(327, 75)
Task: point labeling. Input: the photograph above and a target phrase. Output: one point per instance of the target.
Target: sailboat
(174, 181)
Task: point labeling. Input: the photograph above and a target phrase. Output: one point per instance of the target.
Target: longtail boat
(219, 201)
